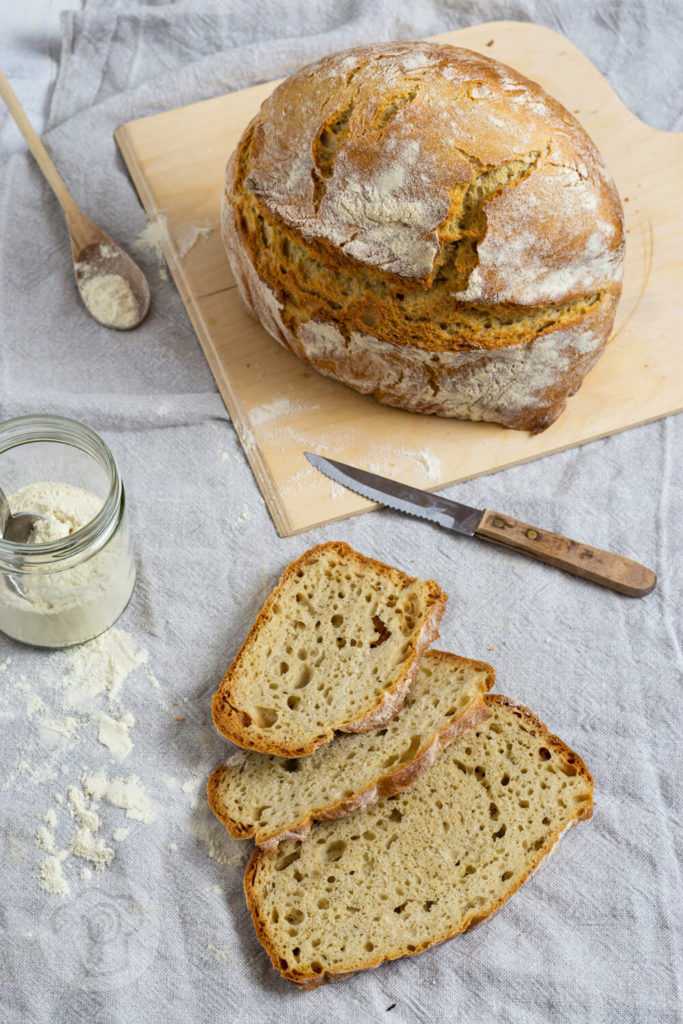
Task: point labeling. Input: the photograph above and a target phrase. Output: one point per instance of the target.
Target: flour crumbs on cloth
(80, 680)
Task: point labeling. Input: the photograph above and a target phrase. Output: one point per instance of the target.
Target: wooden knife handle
(603, 567)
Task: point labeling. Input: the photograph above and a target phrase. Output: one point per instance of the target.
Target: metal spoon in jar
(17, 529)
(113, 288)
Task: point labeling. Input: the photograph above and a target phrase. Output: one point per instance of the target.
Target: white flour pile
(107, 296)
(110, 299)
(75, 603)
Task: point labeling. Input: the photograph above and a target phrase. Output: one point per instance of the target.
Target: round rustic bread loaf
(428, 226)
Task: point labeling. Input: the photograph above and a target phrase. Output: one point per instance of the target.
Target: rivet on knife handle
(610, 570)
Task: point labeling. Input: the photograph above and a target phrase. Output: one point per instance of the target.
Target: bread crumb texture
(424, 224)
(333, 648)
(271, 798)
(421, 866)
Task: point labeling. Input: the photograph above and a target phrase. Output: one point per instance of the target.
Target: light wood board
(281, 408)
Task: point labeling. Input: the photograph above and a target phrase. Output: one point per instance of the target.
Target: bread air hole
(304, 678)
(264, 718)
(381, 630)
(411, 750)
(335, 850)
(284, 862)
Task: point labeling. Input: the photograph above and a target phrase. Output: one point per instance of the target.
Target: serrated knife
(603, 567)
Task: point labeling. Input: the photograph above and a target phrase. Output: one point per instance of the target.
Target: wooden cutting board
(281, 408)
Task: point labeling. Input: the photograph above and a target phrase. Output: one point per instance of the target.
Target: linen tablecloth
(163, 933)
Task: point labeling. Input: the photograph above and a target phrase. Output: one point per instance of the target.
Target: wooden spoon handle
(603, 567)
(82, 231)
(33, 142)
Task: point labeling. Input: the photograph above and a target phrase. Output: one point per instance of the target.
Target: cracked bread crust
(426, 210)
(230, 713)
(569, 763)
(386, 783)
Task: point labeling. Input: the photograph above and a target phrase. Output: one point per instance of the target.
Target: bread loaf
(273, 798)
(335, 647)
(428, 226)
(421, 866)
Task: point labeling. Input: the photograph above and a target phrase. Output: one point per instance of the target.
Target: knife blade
(603, 567)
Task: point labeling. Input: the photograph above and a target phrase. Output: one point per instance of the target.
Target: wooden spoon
(112, 301)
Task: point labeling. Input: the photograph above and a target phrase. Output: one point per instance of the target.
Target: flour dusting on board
(156, 238)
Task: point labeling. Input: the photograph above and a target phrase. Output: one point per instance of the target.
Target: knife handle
(603, 567)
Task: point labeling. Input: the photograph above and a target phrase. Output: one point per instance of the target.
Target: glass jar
(65, 590)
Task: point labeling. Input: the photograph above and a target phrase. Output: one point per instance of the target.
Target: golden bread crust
(529, 722)
(420, 201)
(228, 716)
(401, 778)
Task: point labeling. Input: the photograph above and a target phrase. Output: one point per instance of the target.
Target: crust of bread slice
(229, 718)
(393, 781)
(528, 722)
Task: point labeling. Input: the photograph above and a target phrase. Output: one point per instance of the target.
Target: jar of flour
(74, 576)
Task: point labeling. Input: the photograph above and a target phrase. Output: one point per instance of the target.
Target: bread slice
(272, 798)
(421, 866)
(334, 647)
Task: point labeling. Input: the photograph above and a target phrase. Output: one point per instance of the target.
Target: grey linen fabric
(164, 934)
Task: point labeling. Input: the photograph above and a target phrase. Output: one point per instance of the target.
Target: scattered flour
(114, 734)
(84, 813)
(45, 840)
(156, 237)
(152, 239)
(90, 847)
(188, 235)
(79, 680)
(271, 411)
(51, 878)
(430, 463)
(100, 666)
(127, 794)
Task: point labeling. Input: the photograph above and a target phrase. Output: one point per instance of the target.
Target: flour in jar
(73, 597)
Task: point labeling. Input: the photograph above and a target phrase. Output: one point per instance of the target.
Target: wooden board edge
(240, 421)
(489, 472)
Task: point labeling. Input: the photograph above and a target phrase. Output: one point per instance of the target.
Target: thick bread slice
(421, 866)
(272, 798)
(334, 647)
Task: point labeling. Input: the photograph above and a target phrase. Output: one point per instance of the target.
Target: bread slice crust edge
(402, 778)
(583, 813)
(226, 714)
